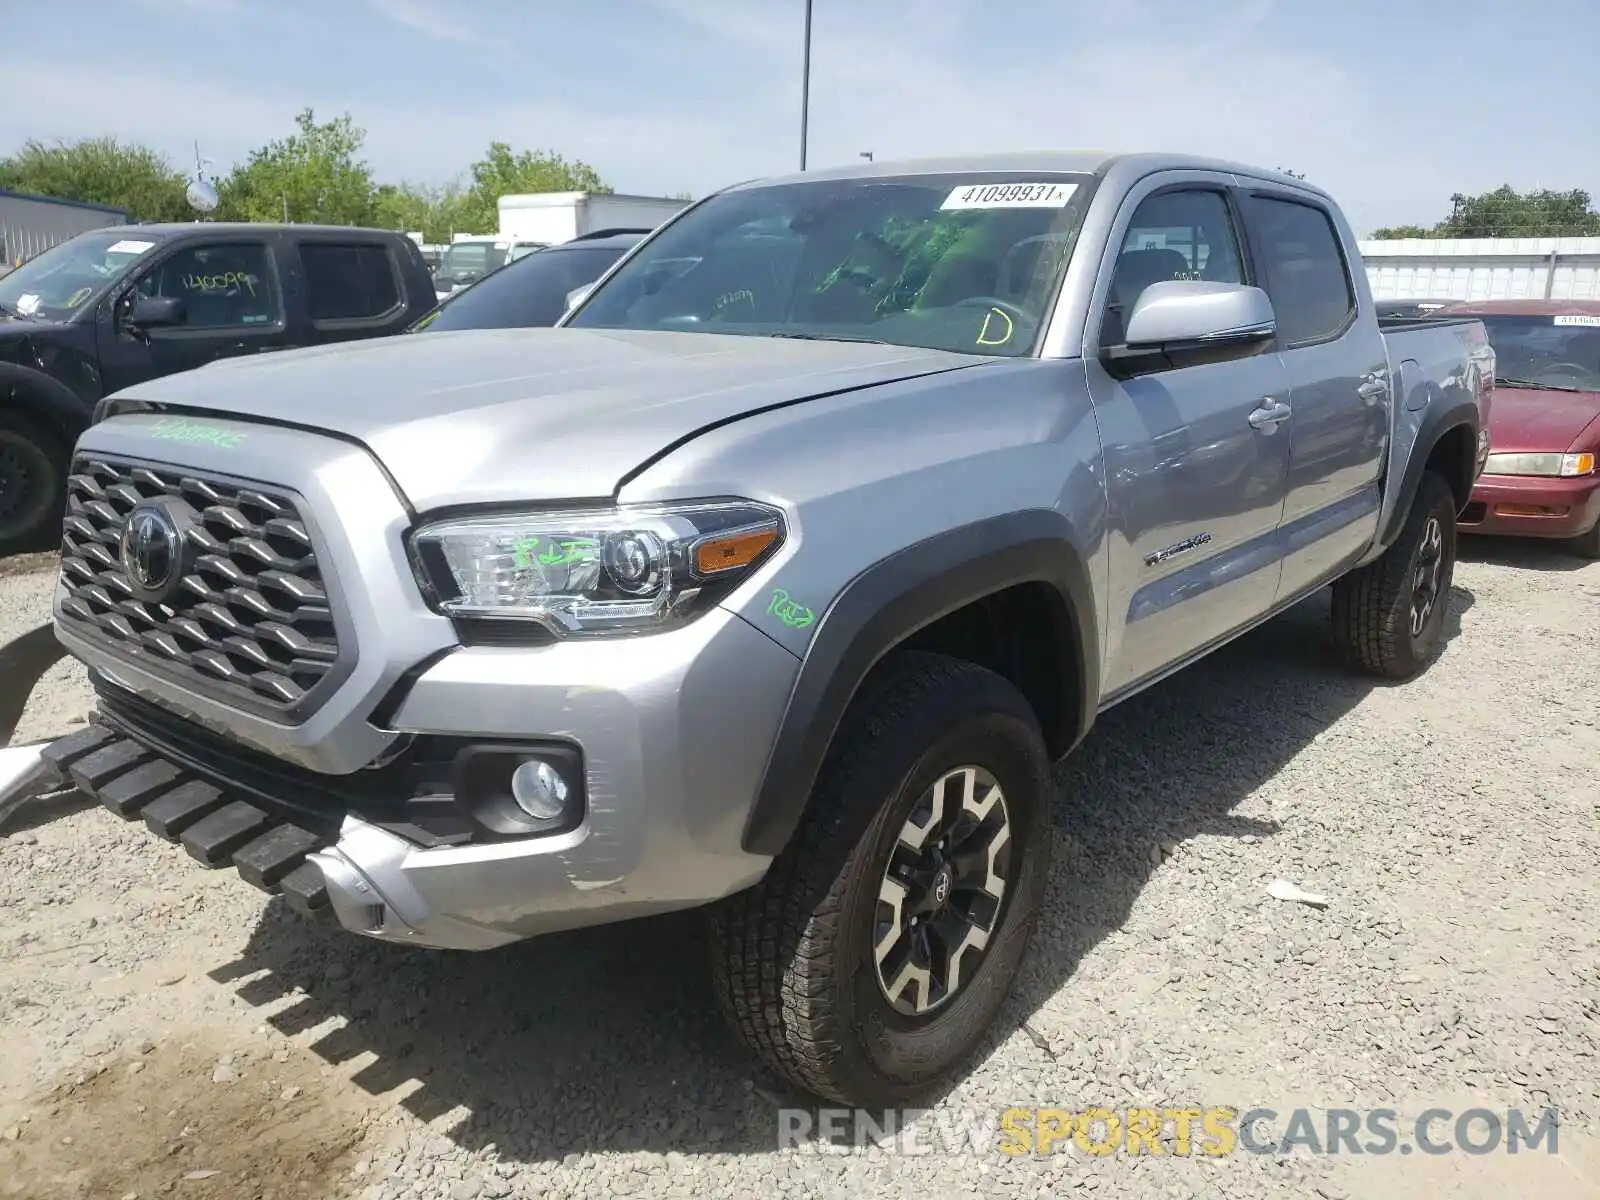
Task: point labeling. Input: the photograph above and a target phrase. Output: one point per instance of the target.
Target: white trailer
(554, 217)
(1565, 268)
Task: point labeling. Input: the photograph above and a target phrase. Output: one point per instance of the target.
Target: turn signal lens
(715, 555)
(1577, 464)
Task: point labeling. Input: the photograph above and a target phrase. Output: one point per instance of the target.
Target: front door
(1339, 393)
(232, 305)
(1195, 490)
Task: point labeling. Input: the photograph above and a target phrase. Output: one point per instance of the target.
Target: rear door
(232, 301)
(350, 287)
(1339, 391)
(1195, 491)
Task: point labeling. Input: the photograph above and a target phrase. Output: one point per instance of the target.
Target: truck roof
(1089, 162)
(239, 228)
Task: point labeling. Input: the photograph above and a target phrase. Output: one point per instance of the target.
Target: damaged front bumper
(25, 774)
(669, 746)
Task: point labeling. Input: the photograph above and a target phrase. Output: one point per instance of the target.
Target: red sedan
(1543, 474)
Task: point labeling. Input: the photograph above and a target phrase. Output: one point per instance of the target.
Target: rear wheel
(1388, 616)
(32, 484)
(871, 960)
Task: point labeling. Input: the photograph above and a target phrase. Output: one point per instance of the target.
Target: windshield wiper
(1508, 381)
(828, 337)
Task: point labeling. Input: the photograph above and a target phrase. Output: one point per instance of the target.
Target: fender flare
(889, 602)
(1435, 425)
(46, 399)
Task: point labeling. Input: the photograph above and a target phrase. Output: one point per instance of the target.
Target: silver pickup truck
(772, 581)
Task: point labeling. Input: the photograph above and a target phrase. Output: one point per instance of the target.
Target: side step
(217, 829)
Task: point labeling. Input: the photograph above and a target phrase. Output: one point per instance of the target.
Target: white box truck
(553, 217)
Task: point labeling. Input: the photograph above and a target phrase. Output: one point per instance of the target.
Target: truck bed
(1396, 324)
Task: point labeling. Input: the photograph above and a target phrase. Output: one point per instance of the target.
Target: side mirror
(155, 312)
(1185, 310)
(1185, 322)
(578, 294)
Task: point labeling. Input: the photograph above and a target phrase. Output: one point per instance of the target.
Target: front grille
(249, 622)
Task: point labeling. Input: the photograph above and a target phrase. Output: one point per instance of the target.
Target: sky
(1391, 105)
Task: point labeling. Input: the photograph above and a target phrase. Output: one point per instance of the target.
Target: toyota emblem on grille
(151, 549)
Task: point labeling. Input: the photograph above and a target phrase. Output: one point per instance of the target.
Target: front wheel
(1587, 545)
(875, 954)
(1388, 616)
(32, 484)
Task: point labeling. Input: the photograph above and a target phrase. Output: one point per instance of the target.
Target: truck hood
(1534, 419)
(496, 415)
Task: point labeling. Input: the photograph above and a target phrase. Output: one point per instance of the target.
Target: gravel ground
(162, 1022)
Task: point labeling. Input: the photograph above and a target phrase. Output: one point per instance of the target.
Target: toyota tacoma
(771, 581)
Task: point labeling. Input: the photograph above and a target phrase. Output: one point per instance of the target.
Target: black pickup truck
(115, 307)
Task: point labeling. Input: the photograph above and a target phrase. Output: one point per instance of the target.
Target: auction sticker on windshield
(1592, 322)
(129, 247)
(1010, 195)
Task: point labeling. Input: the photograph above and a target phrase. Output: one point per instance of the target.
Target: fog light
(517, 789)
(539, 790)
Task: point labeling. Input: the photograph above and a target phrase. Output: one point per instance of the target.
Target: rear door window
(349, 282)
(1303, 270)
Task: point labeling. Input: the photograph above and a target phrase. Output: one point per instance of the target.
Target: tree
(435, 211)
(502, 173)
(103, 170)
(1506, 212)
(1395, 232)
(314, 175)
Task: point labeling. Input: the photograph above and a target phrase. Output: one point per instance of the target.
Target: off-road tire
(1372, 605)
(34, 465)
(792, 958)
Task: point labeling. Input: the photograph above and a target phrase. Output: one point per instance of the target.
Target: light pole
(805, 89)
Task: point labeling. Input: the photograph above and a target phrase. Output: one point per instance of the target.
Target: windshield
(529, 292)
(1548, 351)
(953, 261)
(462, 261)
(60, 281)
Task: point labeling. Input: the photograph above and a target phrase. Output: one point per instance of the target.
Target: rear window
(349, 282)
(529, 292)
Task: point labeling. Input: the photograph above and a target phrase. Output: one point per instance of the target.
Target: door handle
(1373, 386)
(1270, 415)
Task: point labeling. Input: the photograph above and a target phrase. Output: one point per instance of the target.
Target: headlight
(630, 569)
(1540, 464)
